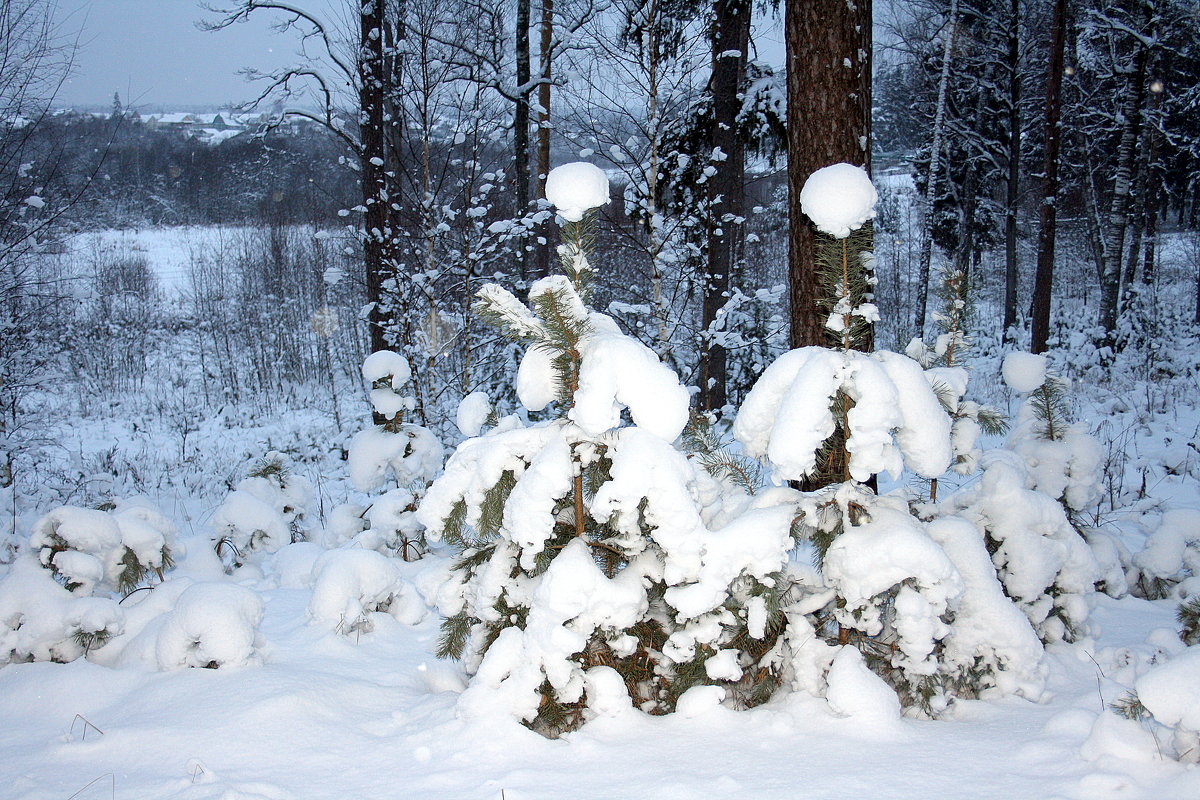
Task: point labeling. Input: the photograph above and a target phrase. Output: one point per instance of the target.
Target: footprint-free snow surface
(321, 714)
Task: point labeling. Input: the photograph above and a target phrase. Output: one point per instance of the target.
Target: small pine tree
(410, 454)
(588, 578)
(833, 419)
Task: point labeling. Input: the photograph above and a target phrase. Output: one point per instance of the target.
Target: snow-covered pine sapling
(944, 361)
(408, 453)
(887, 584)
(94, 552)
(267, 510)
(1046, 470)
(588, 580)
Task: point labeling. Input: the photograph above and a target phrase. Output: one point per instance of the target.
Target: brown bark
(1044, 277)
(829, 121)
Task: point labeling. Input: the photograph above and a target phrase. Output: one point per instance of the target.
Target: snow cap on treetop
(575, 188)
(383, 363)
(1024, 372)
(839, 199)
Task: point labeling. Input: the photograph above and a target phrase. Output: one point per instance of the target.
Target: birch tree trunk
(935, 168)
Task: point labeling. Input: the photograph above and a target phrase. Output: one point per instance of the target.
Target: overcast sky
(152, 53)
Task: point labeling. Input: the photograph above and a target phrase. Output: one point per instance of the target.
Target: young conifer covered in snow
(597, 570)
(1023, 504)
(267, 510)
(409, 454)
(916, 603)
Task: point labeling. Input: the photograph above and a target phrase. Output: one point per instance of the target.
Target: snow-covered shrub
(1047, 471)
(1170, 562)
(351, 584)
(1064, 460)
(91, 551)
(410, 454)
(1168, 694)
(212, 625)
(591, 570)
(266, 511)
(42, 621)
(1043, 562)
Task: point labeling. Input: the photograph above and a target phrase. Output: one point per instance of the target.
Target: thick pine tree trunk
(377, 250)
(1044, 276)
(1012, 187)
(521, 129)
(726, 189)
(829, 121)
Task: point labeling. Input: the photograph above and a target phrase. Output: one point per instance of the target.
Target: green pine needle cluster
(1050, 407)
(1129, 706)
(846, 283)
(701, 441)
(1189, 619)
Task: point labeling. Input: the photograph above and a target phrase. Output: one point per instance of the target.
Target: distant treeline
(147, 174)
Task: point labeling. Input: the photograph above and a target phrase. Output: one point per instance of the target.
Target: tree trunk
(935, 168)
(1012, 188)
(542, 261)
(829, 113)
(1044, 276)
(373, 160)
(521, 131)
(726, 189)
(1117, 226)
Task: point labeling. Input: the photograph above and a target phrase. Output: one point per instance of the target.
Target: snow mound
(42, 621)
(212, 625)
(575, 188)
(838, 199)
(350, 585)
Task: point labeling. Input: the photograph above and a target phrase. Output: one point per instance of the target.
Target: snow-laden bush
(1064, 461)
(266, 511)
(407, 453)
(42, 621)
(592, 572)
(1170, 562)
(1047, 470)
(351, 584)
(92, 551)
(212, 625)
(1170, 692)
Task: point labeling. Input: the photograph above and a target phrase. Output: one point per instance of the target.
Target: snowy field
(329, 716)
(262, 668)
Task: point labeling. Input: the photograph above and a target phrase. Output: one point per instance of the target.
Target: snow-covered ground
(373, 716)
(305, 705)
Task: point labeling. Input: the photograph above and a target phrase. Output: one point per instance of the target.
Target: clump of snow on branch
(896, 418)
(839, 199)
(576, 188)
